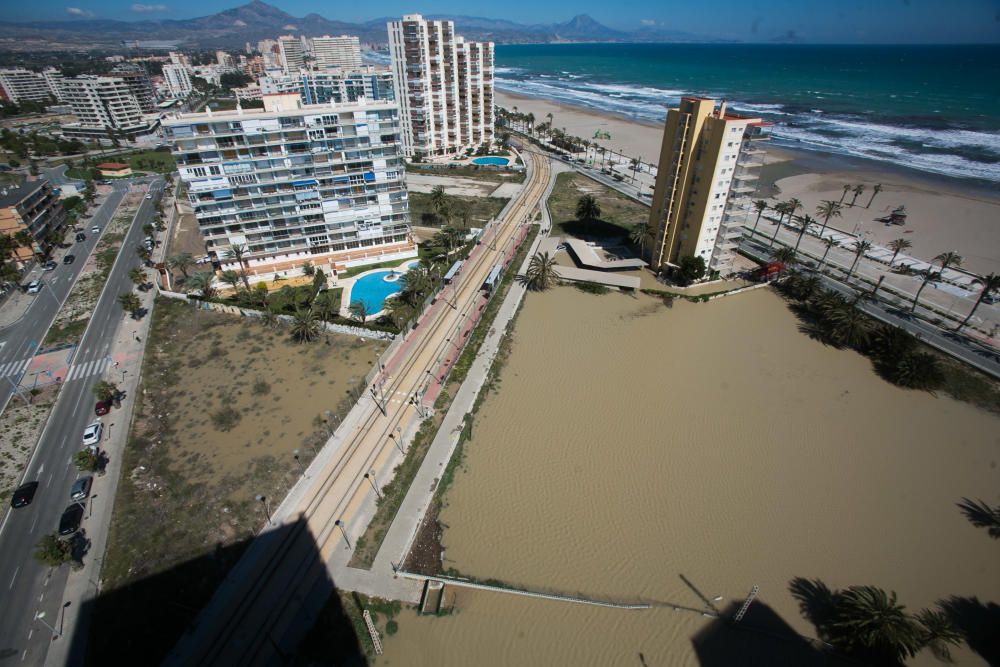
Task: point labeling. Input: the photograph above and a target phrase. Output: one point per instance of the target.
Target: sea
(931, 108)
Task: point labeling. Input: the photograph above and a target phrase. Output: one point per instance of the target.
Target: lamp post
(40, 616)
(398, 443)
(370, 476)
(295, 455)
(340, 524)
(263, 504)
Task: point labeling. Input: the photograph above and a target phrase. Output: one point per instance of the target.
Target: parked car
(95, 229)
(102, 408)
(149, 196)
(23, 495)
(991, 299)
(50, 265)
(81, 488)
(92, 434)
(34, 287)
(70, 520)
(81, 237)
(69, 259)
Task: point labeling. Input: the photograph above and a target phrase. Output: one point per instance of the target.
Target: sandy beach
(631, 446)
(943, 213)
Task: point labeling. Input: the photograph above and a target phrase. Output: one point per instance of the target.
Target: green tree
(148, 229)
(305, 326)
(858, 190)
(991, 283)
(86, 461)
(439, 202)
(860, 248)
(231, 278)
(946, 259)
(785, 255)
(848, 325)
(105, 391)
(130, 302)
(308, 269)
(642, 236)
(143, 254)
(540, 274)
(182, 262)
(690, 269)
(871, 622)
(203, 282)
(805, 221)
(761, 206)
(240, 254)
(897, 246)
(358, 310)
(52, 551)
(137, 275)
(981, 515)
(877, 189)
(588, 208)
(847, 188)
(827, 209)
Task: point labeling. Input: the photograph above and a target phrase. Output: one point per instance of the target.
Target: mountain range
(258, 20)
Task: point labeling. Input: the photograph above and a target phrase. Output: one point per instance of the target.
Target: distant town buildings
(341, 52)
(177, 81)
(296, 183)
(22, 85)
(292, 55)
(333, 85)
(33, 207)
(444, 84)
(706, 176)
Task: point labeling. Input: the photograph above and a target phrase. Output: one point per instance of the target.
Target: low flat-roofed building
(114, 169)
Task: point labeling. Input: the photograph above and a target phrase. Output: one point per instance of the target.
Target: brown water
(630, 444)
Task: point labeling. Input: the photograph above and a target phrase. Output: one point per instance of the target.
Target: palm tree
(875, 190)
(897, 246)
(182, 262)
(439, 201)
(794, 205)
(203, 282)
(359, 310)
(806, 221)
(551, 119)
(860, 248)
(137, 276)
(785, 256)
(635, 165)
(928, 275)
(869, 620)
(947, 259)
(991, 283)
(588, 208)
(238, 253)
(530, 118)
(129, 301)
(305, 326)
(937, 632)
(847, 188)
(540, 274)
(325, 306)
(827, 209)
(981, 515)
(761, 206)
(829, 243)
(642, 235)
(231, 278)
(417, 282)
(858, 189)
(399, 311)
(782, 209)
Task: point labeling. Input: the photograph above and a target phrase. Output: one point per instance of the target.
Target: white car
(95, 230)
(149, 196)
(34, 287)
(92, 434)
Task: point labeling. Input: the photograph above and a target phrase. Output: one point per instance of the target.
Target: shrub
(52, 551)
(226, 418)
(391, 628)
(261, 387)
(591, 288)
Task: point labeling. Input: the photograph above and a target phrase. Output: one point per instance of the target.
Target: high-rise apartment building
(292, 55)
(706, 176)
(296, 183)
(178, 81)
(33, 207)
(137, 79)
(105, 107)
(22, 85)
(333, 85)
(224, 60)
(444, 85)
(343, 51)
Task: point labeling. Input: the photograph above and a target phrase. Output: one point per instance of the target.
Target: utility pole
(746, 604)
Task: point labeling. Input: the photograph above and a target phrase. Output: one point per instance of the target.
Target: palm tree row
(858, 190)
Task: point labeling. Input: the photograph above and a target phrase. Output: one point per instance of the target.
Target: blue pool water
(497, 161)
(374, 289)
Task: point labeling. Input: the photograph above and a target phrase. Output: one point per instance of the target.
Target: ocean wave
(937, 148)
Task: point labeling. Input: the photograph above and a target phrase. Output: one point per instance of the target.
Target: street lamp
(295, 455)
(370, 476)
(398, 443)
(263, 504)
(340, 524)
(40, 616)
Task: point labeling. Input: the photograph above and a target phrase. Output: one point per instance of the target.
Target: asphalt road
(27, 586)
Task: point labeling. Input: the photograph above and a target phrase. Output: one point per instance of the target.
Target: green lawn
(480, 210)
(618, 212)
(470, 171)
(157, 161)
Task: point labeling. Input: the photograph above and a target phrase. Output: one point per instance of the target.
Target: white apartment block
(53, 78)
(333, 85)
(104, 106)
(249, 92)
(22, 85)
(292, 56)
(342, 52)
(178, 81)
(444, 85)
(224, 59)
(296, 183)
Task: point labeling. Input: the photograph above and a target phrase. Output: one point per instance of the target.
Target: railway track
(262, 597)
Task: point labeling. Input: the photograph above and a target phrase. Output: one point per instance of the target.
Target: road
(28, 586)
(262, 609)
(20, 340)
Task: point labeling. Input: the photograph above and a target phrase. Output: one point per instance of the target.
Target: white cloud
(76, 11)
(289, 27)
(141, 8)
(647, 22)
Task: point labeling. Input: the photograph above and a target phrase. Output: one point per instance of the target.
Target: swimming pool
(495, 161)
(373, 289)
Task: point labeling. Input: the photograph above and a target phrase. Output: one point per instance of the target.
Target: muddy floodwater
(631, 446)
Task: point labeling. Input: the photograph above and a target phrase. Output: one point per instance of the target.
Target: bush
(261, 387)
(591, 288)
(52, 551)
(85, 461)
(226, 419)
(391, 628)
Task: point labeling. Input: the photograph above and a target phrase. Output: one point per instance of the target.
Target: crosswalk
(88, 369)
(14, 367)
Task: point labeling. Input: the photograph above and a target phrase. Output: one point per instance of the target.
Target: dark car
(70, 520)
(69, 259)
(81, 237)
(81, 488)
(23, 495)
(50, 266)
(102, 408)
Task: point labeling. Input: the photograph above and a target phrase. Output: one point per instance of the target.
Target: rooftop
(112, 165)
(12, 196)
(282, 109)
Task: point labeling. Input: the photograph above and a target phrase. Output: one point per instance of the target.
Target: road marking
(33, 522)
(14, 577)
(41, 469)
(30, 632)
(24, 655)
(41, 597)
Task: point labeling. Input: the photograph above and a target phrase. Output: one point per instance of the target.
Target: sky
(843, 21)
